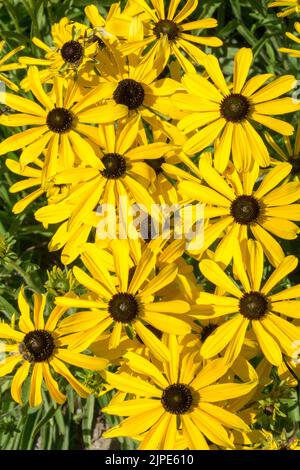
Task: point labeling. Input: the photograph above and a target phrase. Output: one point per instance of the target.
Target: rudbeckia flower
(4, 67)
(252, 305)
(71, 52)
(175, 397)
(58, 124)
(39, 349)
(296, 39)
(241, 209)
(133, 84)
(176, 28)
(289, 7)
(229, 113)
(289, 153)
(123, 302)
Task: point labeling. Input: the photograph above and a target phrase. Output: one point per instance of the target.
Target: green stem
(24, 275)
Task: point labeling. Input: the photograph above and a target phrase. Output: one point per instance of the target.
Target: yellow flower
(8, 67)
(241, 210)
(229, 113)
(39, 348)
(253, 306)
(296, 39)
(174, 28)
(126, 300)
(71, 54)
(177, 399)
(34, 178)
(133, 84)
(289, 7)
(59, 124)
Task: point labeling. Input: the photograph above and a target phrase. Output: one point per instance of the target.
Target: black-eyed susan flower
(176, 398)
(4, 67)
(251, 305)
(176, 29)
(133, 84)
(289, 7)
(218, 110)
(296, 39)
(58, 124)
(241, 205)
(125, 301)
(39, 350)
(70, 54)
(289, 153)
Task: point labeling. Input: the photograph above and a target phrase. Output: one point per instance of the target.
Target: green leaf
(87, 421)
(236, 8)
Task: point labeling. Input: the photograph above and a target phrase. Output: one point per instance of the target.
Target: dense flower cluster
(120, 108)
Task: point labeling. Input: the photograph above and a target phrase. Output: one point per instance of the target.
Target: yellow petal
(272, 179)
(211, 373)
(18, 380)
(52, 385)
(139, 364)
(285, 267)
(159, 350)
(35, 393)
(219, 339)
(61, 369)
(163, 279)
(213, 69)
(81, 360)
(216, 275)
(242, 63)
(130, 384)
(192, 434)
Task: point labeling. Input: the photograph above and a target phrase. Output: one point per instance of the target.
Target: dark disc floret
(253, 305)
(130, 93)
(168, 27)
(123, 307)
(115, 165)
(295, 162)
(72, 52)
(177, 398)
(37, 346)
(59, 120)
(235, 107)
(156, 164)
(245, 209)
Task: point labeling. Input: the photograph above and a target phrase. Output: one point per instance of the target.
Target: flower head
(38, 349)
(251, 305)
(230, 112)
(177, 400)
(125, 302)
